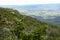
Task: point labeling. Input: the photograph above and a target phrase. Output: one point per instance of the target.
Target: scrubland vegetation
(14, 26)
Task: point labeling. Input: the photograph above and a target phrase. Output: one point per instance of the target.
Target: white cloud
(27, 2)
(44, 15)
(26, 12)
(50, 15)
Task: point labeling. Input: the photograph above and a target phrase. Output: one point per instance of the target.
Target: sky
(28, 2)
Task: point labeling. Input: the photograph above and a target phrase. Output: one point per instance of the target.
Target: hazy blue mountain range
(49, 13)
(35, 7)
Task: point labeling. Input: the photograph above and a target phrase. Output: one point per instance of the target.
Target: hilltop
(14, 26)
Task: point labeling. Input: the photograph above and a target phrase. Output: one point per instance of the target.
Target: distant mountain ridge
(35, 7)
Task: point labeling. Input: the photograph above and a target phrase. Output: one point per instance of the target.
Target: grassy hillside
(14, 26)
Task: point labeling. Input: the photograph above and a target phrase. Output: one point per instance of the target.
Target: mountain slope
(14, 26)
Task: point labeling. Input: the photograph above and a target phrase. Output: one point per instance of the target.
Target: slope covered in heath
(14, 26)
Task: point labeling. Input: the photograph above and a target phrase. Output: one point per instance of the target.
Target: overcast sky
(27, 2)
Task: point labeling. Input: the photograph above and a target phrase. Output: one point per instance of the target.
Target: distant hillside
(14, 26)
